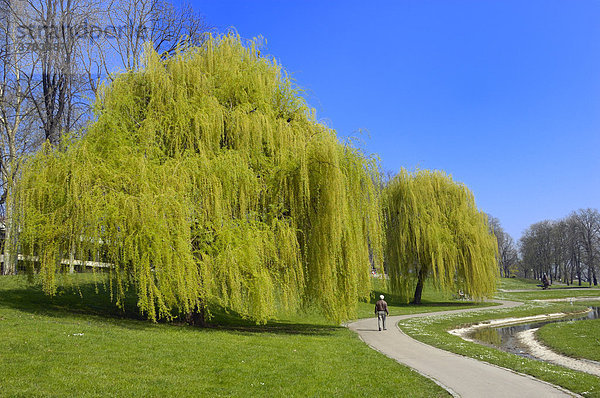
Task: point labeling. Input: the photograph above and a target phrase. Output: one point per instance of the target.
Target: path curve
(461, 376)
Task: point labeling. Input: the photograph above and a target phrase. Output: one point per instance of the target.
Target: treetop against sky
(502, 95)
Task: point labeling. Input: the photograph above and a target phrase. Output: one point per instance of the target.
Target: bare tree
(17, 134)
(564, 249)
(573, 248)
(51, 32)
(560, 242)
(536, 248)
(588, 221)
(507, 252)
(133, 23)
(78, 43)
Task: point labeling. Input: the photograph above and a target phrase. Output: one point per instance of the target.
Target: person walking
(545, 282)
(381, 310)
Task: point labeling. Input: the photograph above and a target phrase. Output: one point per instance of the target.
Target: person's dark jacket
(381, 305)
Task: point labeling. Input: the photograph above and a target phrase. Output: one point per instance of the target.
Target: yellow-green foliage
(433, 227)
(206, 178)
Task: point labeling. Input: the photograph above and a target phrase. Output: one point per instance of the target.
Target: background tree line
(566, 250)
(507, 251)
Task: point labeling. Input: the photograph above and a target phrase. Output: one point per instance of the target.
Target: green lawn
(554, 292)
(73, 346)
(517, 283)
(549, 294)
(432, 301)
(81, 345)
(580, 339)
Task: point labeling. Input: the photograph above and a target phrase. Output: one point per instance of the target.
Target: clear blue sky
(502, 95)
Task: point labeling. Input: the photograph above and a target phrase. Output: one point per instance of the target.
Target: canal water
(505, 338)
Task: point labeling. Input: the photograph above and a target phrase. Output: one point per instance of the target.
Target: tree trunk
(571, 273)
(10, 255)
(197, 317)
(72, 260)
(419, 289)
(571, 276)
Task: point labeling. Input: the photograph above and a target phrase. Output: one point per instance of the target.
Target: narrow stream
(505, 338)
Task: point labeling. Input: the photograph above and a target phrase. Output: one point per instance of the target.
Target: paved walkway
(461, 376)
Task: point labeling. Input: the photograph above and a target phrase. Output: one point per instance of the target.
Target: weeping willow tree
(435, 231)
(206, 178)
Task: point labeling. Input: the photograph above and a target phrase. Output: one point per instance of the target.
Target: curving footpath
(461, 376)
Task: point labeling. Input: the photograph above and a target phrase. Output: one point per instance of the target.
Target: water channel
(505, 338)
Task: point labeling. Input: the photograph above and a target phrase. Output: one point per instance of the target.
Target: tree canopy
(434, 230)
(206, 178)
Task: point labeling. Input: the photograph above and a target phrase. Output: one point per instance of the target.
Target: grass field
(549, 294)
(517, 283)
(81, 345)
(432, 301)
(579, 339)
(556, 291)
(84, 347)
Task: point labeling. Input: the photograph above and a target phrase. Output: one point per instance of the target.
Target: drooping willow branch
(207, 179)
(434, 230)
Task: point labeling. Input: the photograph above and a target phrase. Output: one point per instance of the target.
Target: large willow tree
(435, 231)
(206, 178)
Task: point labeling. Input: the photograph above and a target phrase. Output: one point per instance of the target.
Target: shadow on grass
(89, 300)
(397, 301)
(570, 287)
(224, 319)
(79, 302)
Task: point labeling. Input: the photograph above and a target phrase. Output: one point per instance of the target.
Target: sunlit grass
(556, 290)
(432, 301)
(579, 339)
(517, 283)
(549, 294)
(85, 347)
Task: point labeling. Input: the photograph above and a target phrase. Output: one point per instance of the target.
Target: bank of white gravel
(537, 349)
(534, 346)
